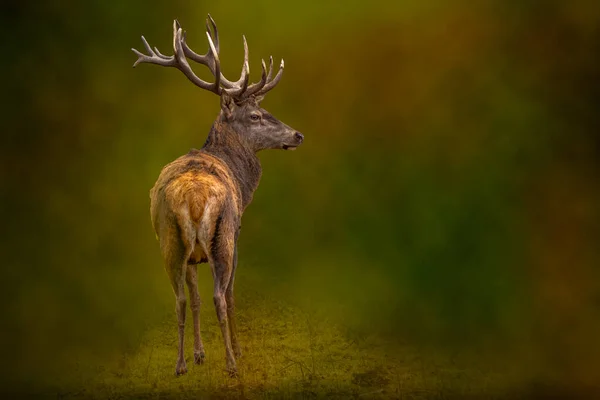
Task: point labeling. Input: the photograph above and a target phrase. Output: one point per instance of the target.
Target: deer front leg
(192, 283)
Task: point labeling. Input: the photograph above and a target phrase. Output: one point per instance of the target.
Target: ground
(287, 353)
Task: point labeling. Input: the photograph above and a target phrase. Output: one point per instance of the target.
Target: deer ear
(259, 98)
(227, 105)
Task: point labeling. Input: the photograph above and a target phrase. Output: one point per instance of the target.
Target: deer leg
(176, 264)
(192, 284)
(231, 306)
(222, 271)
(221, 262)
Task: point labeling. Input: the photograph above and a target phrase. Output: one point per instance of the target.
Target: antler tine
(214, 25)
(152, 58)
(184, 66)
(205, 59)
(217, 71)
(255, 87)
(158, 53)
(270, 68)
(237, 92)
(208, 58)
(238, 87)
(245, 67)
(146, 45)
(274, 82)
(242, 84)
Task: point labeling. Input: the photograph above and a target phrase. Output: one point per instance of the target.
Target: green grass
(287, 353)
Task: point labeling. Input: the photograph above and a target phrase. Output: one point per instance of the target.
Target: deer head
(240, 101)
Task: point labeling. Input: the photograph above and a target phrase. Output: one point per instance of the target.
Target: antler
(179, 61)
(238, 89)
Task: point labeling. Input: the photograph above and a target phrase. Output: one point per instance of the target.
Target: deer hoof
(232, 372)
(199, 358)
(237, 352)
(180, 369)
(232, 369)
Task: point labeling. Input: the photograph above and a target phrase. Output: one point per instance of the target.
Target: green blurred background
(447, 193)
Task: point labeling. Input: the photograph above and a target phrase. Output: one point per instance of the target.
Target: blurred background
(447, 193)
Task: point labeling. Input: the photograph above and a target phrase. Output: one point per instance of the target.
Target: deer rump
(195, 202)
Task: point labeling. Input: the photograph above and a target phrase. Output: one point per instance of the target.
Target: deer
(196, 205)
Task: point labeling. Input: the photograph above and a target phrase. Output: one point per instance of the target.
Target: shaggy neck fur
(229, 146)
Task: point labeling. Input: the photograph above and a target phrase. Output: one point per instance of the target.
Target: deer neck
(228, 146)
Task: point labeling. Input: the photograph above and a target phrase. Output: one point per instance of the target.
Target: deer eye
(254, 117)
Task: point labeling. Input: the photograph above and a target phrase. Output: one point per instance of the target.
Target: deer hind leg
(220, 257)
(192, 284)
(176, 246)
(176, 256)
(231, 305)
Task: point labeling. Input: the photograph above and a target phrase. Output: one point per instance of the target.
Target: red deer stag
(197, 202)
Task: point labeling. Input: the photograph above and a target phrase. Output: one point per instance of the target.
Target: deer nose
(299, 137)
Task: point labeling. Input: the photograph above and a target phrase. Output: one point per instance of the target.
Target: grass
(287, 353)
